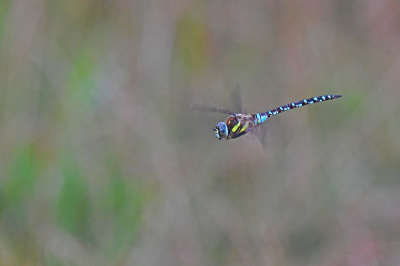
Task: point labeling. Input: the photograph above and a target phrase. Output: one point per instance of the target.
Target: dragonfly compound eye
(223, 130)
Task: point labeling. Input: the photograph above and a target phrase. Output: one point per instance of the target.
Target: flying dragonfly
(238, 124)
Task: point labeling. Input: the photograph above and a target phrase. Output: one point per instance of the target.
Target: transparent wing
(237, 99)
(260, 132)
(209, 107)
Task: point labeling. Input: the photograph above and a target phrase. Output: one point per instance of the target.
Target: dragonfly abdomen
(261, 117)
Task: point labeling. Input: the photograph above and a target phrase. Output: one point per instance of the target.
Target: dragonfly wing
(236, 96)
(261, 132)
(209, 107)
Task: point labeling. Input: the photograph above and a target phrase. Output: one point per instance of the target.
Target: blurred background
(102, 162)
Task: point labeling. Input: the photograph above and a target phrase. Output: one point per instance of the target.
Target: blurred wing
(260, 132)
(237, 99)
(209, 107)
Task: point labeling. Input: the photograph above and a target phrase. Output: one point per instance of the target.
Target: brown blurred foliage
(102, 162)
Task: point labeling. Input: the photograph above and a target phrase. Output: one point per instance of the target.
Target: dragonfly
(238, 124)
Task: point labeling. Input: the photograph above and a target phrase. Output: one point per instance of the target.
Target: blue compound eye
(223, 130)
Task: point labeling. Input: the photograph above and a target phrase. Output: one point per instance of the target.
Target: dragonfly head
(221, 130)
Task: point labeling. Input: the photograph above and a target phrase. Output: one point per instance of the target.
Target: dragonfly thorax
(221, 130)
